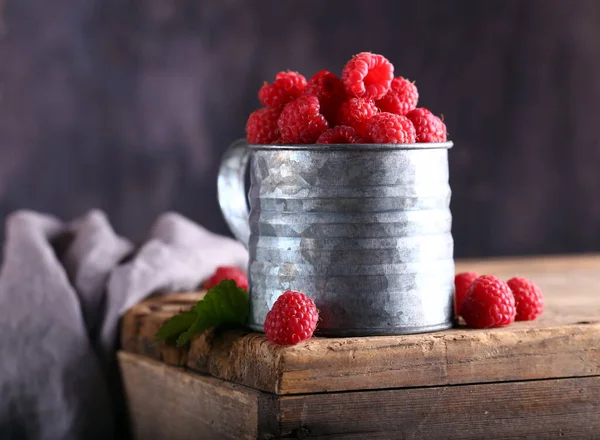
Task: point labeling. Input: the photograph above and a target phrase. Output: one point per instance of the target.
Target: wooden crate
(533, 380)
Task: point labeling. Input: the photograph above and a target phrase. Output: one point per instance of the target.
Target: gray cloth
(63, 288)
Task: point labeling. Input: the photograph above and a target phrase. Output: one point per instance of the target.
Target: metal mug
(363, 229)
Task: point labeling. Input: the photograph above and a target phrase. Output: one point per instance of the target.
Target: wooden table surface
(563, 342)
(549, 367)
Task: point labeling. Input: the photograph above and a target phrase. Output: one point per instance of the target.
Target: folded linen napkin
(63, 288)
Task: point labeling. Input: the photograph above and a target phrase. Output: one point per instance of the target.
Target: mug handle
(231, 190)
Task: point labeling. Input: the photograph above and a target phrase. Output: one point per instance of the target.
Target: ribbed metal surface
(364, 230)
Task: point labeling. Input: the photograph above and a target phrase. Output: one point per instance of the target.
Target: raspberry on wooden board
(292, 319)
(462, 283)
(489, 303)
(227, 273)
(528, 298)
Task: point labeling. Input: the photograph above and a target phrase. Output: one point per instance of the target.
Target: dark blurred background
(127, 105)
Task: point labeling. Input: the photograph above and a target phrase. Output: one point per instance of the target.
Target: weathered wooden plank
(549, 264)
(456, 357)
(166, 402)
(545, 409)
(141, 323)
(170, 403)
(564, 342)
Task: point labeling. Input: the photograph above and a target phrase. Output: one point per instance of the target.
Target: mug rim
(354, 147)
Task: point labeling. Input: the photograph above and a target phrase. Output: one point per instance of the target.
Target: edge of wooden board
(531, 264)
(458, 356)
(564, 342)
(173, 403)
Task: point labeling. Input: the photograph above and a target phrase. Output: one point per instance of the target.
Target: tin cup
(363, 229)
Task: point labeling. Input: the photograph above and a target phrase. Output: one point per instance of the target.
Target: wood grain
(146, 318)
(545, 409)
(169, 403)
(564, 342)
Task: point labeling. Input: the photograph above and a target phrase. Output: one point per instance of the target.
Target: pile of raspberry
(486, 301)
(367, 104)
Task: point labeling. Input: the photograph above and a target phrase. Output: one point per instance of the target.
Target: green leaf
(175, 326)
(223, 304)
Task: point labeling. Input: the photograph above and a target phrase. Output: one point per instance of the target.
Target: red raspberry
(401, 98)
(286, 87)
(462, 282)
(330, 91)
(368, 75)
(388, 128)
(489, 303)
(429, 127)
(227, 273)
(356, 112)
(342, 134)
(528, 298)
(300, 121)
(261, 127)
(292, 319)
